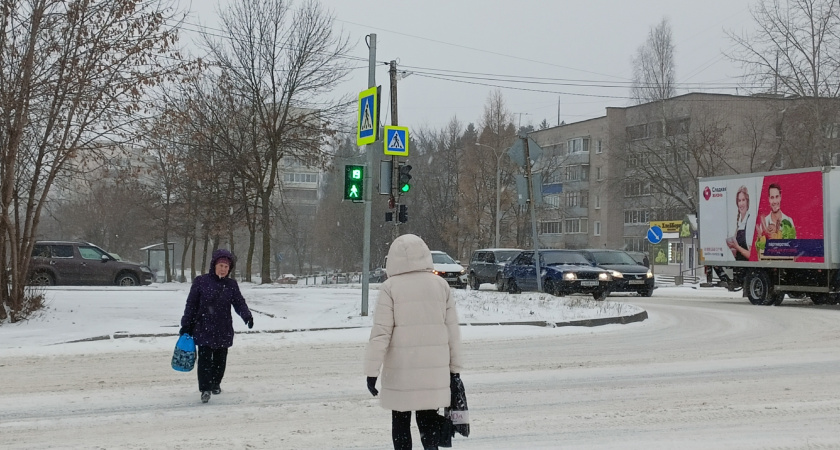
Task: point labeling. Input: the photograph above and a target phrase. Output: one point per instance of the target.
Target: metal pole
(368, 183)
(533, 215)
(498, 195)
(392, 72)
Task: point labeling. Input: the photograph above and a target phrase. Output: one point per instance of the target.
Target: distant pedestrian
(208, 319)
(415, 342)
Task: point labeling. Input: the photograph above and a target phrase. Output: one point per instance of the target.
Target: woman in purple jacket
(207, 318)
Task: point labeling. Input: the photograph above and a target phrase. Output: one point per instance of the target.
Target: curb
(623, 320)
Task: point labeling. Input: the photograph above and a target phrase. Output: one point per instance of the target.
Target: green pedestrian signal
(404, 178)
(354, 177)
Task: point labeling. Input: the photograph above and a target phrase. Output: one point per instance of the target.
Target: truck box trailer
(773, 233)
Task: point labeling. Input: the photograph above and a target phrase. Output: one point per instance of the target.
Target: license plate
(450, 279)
(637, 281)
(588, 283)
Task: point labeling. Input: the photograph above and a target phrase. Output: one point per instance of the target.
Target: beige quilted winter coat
(415, 339)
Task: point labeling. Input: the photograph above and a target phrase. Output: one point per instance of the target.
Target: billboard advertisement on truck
(776, 217)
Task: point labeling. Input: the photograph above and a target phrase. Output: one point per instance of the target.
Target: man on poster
(776, 224)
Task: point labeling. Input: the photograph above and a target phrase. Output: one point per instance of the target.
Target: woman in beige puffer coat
(415, 341)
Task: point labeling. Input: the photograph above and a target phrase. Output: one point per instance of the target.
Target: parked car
(488, 266)
(627, 273)
(378, 275)
(81, 263)
(452, 271)
(287, 278)
(564, 272)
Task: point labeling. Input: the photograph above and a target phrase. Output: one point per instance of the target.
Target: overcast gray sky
(570, 59)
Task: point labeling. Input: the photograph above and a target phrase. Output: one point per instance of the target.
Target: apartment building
(607, 178)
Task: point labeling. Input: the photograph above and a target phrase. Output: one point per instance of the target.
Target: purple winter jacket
(207, 312)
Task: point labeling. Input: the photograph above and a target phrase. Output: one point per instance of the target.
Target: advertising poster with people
(773, 217)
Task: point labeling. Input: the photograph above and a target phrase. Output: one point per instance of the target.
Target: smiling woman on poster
(742, 240)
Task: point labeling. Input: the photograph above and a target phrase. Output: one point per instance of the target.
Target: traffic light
(403, 215)
(354, 177)
(404, 178)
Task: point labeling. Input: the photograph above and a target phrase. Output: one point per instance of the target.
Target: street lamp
(498, 186)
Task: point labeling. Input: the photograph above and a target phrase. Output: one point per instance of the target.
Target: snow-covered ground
(705, 370)
(94, 314)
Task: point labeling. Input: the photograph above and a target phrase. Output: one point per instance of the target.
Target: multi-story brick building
(607, 178)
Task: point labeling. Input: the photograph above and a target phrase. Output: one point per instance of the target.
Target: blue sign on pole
(396, 140)
(654, 234)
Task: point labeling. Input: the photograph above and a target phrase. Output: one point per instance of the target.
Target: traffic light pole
(532, 206)
(369, 150)
(392, 72)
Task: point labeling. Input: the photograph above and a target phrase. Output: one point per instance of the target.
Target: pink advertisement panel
(789, 223)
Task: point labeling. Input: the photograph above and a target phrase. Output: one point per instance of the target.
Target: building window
(599, 149)
(597, 202)
(637, 132)
(634, 216)
(299, 177)
(584, 199)
(577, 225)
(572, 199)
(578, 145)
(636, 244)
(597, 230)
(552, 201)
(598, 173)
(675, 127)
(636, 188)
(555, 227)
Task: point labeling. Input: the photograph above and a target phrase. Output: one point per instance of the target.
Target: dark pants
(211, 367)
(426, 423)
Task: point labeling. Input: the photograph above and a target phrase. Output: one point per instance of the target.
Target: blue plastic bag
(183, 359)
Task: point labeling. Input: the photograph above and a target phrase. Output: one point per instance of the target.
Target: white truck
(773, 233)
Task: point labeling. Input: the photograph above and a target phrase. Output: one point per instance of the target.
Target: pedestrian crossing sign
(368, 117)
(396, 141)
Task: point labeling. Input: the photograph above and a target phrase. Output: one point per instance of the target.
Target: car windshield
(442, 258)
(550, 258)
(614, 258)
(505, 256)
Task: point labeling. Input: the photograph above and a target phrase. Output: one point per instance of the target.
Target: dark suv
(81, 263)
(488, 264)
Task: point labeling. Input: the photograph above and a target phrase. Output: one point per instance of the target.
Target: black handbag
(457, 411)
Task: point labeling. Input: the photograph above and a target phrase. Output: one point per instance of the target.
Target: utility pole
(392, 71)
(368, 182)
(532, 207)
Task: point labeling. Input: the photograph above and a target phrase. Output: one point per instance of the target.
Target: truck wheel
(512, 287)
(500, 282)
(758, 288)
(819, 299)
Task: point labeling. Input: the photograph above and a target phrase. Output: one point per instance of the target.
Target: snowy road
(701, 372)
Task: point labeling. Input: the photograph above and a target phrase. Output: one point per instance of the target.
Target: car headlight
(616, 274)
(463, 271)
(570, 276)
(145, 269)
(649, 274)
(605, 276)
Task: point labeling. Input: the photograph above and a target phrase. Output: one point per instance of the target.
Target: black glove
(185, 330)
(250, 322)
(371, 382)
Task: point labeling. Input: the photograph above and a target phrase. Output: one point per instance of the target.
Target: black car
(628, 274)
(487, 266)
(564, 272)
(82, 263)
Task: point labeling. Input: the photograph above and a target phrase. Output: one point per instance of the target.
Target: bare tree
(794, 51)
(653, 66)
(282, 61)
(73, 80)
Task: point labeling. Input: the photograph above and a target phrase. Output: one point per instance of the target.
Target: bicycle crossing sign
(396, 140)
(368, 116)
